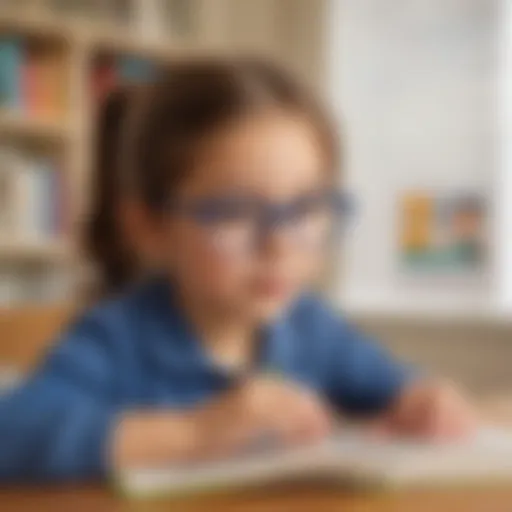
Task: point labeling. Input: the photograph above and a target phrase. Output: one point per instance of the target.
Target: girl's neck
(228, 338)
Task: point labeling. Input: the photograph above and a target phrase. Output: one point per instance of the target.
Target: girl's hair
(149, 149)
(104, 241)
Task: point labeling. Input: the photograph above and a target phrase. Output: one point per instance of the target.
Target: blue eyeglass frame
(207, 211)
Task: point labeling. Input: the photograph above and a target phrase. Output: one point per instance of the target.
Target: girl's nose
(273, 235)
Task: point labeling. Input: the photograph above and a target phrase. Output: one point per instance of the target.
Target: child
(227, 181)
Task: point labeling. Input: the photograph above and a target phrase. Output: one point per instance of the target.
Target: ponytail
(114, 261)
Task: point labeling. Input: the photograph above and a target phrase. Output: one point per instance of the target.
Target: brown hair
(104, 242)
(150, 149)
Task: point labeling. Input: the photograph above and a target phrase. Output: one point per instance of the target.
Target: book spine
(46, 82)
(133, 69)
(7, 195)
(56, 84)
(61, 87)
(34, 203)
(54, 203)
(104, 79)
(11, 59)
(44, 204)
(22, 198)
(47, 214)
(32, 85)
(29, 84)
(59, 204)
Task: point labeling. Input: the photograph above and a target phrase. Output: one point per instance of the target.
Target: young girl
(226, 179)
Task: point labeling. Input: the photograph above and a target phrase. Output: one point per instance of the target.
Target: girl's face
(246, 230)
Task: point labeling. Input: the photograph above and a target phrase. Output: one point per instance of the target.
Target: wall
(476, 356)
(415, 85)
(504, 185)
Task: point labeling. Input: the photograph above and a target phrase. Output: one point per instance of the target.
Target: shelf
(51, 252)
(115, 39)
(17, 125)
(119, 42)
(36, 26)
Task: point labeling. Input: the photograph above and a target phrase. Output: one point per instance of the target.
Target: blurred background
(420, 88)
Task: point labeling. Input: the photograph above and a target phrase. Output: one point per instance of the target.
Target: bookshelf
(48, 131)
(53, 55)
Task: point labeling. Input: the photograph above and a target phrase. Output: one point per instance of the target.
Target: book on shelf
(11, 66)
(33, 78)
(44, 83)
(103, 77)
(32, 198)
(134, 69)
(108, 71)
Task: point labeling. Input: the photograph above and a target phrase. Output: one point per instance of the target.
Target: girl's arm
(232, 420)
(57, 424)
(64, 423)
(363, 378)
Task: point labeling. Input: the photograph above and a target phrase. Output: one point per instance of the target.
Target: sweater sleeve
(359, 376)
(364, 378)
(56, 425)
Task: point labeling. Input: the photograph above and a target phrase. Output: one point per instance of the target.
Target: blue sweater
(137, 351)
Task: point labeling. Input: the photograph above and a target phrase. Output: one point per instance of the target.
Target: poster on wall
(442, 233)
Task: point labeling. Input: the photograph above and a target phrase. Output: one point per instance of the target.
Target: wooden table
(305, 499)
(287, 499)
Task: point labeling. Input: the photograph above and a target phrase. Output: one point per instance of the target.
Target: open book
(349, 458)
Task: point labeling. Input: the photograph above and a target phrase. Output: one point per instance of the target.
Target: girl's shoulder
(122, 310)
(312, 309)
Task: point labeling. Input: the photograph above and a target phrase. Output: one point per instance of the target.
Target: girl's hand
(432, 410)
(261, 406)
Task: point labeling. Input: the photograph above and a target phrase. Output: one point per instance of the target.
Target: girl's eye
(310, 205)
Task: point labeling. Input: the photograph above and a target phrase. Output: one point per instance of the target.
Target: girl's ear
(143, 234)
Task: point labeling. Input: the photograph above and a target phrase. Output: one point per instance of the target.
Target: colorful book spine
(43, 84)
(134, 69)
(104, 78)
(55, 80)
(11, 61)
(30, 89)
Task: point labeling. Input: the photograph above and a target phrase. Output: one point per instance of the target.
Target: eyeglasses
(242, 223)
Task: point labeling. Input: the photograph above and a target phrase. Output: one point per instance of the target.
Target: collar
(179, 345)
